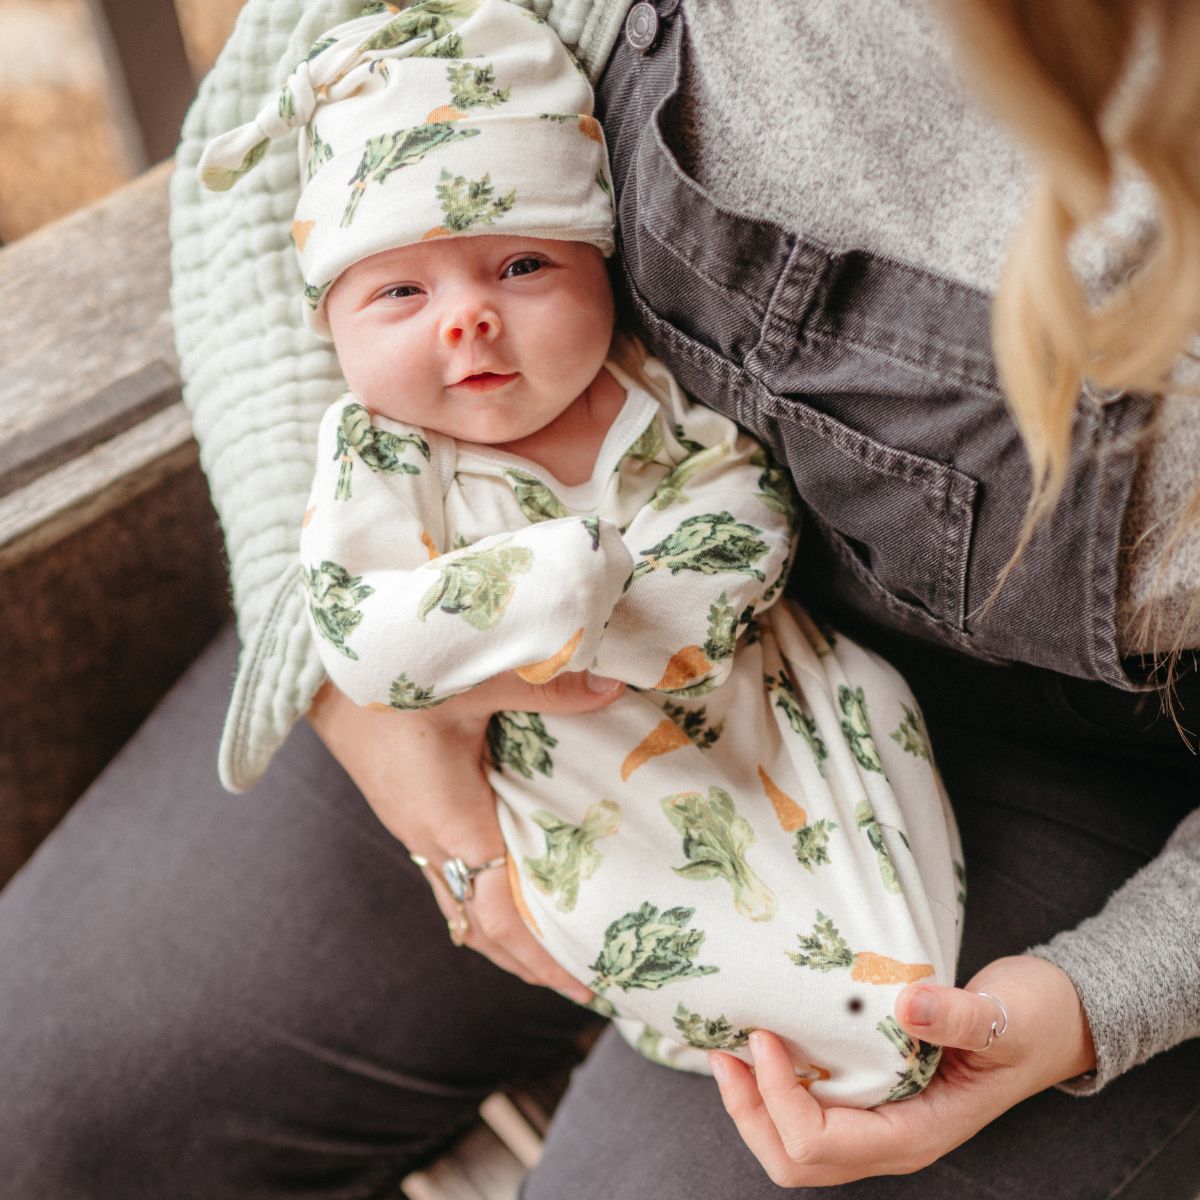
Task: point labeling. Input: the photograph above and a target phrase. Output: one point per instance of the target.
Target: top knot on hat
(448, 118)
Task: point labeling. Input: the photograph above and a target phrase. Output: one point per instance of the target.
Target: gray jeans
(215, 997)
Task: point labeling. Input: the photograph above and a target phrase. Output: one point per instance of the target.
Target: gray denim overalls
(874, 383)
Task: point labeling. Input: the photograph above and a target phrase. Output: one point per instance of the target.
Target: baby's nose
(465, 324)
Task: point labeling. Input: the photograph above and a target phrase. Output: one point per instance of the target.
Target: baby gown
(754, 834)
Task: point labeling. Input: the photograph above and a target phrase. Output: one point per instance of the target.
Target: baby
(753, 834)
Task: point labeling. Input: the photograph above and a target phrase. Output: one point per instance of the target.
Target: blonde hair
(1092, 88)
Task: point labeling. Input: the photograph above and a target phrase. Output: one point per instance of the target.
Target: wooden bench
(112, 575)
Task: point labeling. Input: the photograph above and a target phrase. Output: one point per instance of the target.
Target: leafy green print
(320, 47)
(221, 179)
(774, 485)
(710, 543)
(649, 442)
(920, 1061)
(388, 152)
(477, 586)
(649, 1045)
(602, 1007)
(466, 202)
(857, 729)
(314, 294)
(824, 949)
(812, 844)
(715, 842)
(912, 735)
(472, 87)
(709, 1033)
(376, 448)
(571, 855)
(520, 741)
(647, 949)
(450, 46)
(723, 625)
(689, 444)
(333, 598)
(319, 152)
(376, 7)
(537, 501)
(864, 814)
(428, 18)
(788, 702)
(693, 722)
(670, 490)
(592, 525)
(407, 695)
(960, 874)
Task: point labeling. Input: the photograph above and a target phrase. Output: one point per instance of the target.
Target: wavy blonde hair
(1092, 88)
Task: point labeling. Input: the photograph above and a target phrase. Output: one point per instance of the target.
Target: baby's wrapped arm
(402, 622)
(710, 549)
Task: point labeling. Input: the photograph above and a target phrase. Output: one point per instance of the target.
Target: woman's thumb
(949, 1016)
(570, 692)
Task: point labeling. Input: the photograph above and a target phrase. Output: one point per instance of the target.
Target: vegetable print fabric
(754, 834)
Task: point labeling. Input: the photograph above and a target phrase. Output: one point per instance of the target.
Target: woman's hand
(801, 1144)
(422, 774)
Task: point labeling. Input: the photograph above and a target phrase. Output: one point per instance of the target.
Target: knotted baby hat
(448, 118)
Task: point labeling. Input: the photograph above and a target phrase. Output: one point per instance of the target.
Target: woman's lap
(222, 996)
(232, 996)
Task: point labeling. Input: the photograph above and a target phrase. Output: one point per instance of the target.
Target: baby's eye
(523, 266)
(400, 291)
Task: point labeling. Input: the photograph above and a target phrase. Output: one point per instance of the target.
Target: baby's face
(486, 339)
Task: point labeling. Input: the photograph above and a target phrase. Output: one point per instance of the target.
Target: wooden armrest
(111, 573)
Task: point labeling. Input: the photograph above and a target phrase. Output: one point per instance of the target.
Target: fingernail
(757, 1045)
(922, 1008)
(720, 1068)
(601, 685)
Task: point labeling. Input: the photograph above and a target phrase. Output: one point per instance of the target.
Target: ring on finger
(460, 878)
(997, 1029)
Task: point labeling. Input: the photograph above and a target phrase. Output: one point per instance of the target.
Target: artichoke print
(314, 294)
(376, 448)
(520, 741)
(812, 844)
(826, 950)
(693, 722)
(467, 202)
(571, 855)
(670, 491)
(857, 729)
(920, 1060)
(649, 443)
(407, 695)
(388, 152)
(723, 625)
(450, 46)
(911, 735)
(477, 586)
(715, 1034)
(710, 543)
(715, 842)
(319, 152)
(786, 699)
(774, 486)
(537, 501)
(427, 18)
(647, 949)
(864, 814)
(221, 179)
(472, 87)
(333, 597)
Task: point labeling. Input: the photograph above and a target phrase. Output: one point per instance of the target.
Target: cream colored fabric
(754, 834)
(448, 119)
(256, 379)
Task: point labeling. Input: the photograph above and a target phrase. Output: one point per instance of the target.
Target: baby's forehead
(482, 249)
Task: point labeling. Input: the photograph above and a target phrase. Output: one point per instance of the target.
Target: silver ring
(994, 1032)
(460, 878)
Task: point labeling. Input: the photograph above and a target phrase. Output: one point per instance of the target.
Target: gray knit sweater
(872, 144)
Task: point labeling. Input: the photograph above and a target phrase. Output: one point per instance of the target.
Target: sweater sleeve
(255, 379)
(402, 620)
(1136, 963)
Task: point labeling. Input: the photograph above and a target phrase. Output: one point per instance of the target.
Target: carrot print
(300, 232)
(684, 667)
(544, 671)
(428, 543)
(444, 112)
(662, 739)
(590, 128)
(514, 886)
(826, 950)
(789, 814)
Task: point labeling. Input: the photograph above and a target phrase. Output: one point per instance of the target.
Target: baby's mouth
(484, 381)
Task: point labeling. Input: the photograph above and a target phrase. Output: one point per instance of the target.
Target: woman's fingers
(745, 1106)
(949, 1016)
(571, 692)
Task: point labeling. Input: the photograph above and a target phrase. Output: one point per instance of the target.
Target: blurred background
(91, 93)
